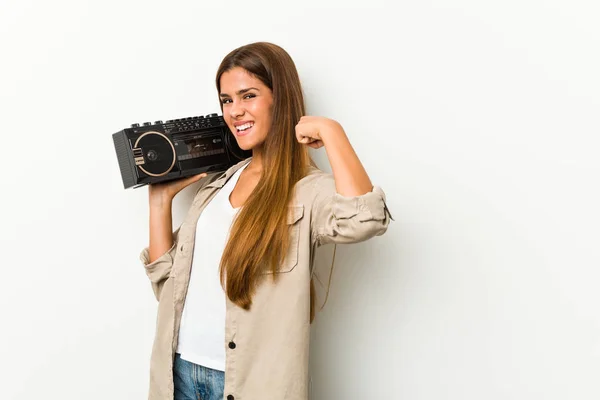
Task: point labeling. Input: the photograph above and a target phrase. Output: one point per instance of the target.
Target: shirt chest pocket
(294, 219)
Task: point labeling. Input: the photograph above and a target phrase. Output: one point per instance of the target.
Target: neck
(256, 164)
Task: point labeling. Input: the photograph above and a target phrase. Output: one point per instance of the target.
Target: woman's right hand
(163, 193)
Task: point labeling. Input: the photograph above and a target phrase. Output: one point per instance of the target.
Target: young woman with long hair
(234, 281)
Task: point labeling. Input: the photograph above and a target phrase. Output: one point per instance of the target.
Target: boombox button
(135, 125)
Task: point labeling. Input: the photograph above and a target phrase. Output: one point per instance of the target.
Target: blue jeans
(195, 382)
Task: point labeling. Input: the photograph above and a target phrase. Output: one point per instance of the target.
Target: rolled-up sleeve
(341, 219)
(159, 270)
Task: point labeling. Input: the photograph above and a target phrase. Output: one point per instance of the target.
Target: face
(246, 107)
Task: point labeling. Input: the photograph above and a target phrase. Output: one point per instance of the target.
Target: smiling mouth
(244, 127)
(243, 130)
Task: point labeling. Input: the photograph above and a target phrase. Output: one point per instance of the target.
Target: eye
(224, 101)
(249, 96)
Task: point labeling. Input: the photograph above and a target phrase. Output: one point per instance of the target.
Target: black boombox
(175, 149)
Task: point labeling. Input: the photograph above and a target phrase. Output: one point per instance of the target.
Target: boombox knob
(147, 123)
(211, 115)
(135, 125)
(157, 122)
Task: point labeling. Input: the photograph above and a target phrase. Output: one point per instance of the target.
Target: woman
(234, 281)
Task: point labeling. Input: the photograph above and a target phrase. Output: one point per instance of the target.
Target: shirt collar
(222, 180)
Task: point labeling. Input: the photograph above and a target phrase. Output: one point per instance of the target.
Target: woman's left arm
(347, 208)
(351, 179)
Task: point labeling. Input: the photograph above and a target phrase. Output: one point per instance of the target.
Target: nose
(236, 110)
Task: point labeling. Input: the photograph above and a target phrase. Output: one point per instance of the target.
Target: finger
(192, 179)
(306, 139)
(299, 135)
(196, 178)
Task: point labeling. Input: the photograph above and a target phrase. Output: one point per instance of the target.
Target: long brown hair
(259, 236)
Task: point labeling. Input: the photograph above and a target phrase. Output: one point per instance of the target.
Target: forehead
(238, 78)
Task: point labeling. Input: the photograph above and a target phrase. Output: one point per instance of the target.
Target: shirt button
(230, 397)
(231, 345)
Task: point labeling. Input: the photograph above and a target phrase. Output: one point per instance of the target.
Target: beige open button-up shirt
(267, 347)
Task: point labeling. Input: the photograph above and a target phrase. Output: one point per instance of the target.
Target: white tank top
(202, 330)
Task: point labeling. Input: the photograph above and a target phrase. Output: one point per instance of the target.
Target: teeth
(245, 126)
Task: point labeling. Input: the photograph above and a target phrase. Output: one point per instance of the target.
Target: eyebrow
(242, 91)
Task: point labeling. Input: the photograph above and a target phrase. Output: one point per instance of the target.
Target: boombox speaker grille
(154, 153)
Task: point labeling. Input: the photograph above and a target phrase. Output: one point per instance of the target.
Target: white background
(478, 119)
